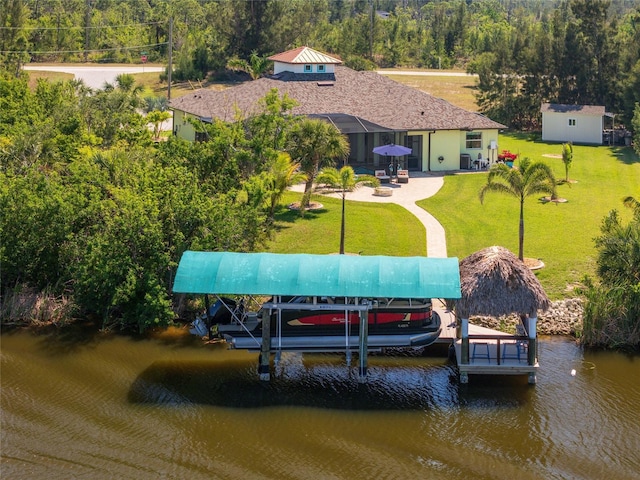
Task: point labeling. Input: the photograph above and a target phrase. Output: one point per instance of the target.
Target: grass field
(371, 229)
(561, 235)
(50, 76)
(459, 91)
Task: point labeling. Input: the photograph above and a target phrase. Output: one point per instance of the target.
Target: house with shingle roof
(369, 108)
(573, 123)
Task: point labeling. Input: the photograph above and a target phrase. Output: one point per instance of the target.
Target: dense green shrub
(612, 311)
(96, 215)
(110, 229)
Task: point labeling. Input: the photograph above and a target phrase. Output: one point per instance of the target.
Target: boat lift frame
(362, 306)
(338, 276)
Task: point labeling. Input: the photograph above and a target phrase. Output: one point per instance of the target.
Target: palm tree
(256, 66)
(346, 180)
(315, 144)
(125, 82)
(530, 178)
(156, 117)
(567, 158)
(282, 173)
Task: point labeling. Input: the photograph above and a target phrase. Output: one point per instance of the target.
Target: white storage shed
(573, 123)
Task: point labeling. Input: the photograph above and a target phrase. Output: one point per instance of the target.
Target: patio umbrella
(392, 150)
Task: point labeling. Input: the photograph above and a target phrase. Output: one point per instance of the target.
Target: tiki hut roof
(495, 282)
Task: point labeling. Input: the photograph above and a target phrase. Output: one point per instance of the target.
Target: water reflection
(323, 381)
(116, 407)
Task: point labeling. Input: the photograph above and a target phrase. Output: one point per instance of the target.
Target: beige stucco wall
(488, 136)
(182, 128)
(449, 144)
(445, 144)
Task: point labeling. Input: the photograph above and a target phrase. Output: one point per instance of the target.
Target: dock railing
(497, 341)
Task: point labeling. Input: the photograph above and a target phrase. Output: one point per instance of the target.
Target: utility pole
(87, 24)
(170, 69)
(371, 31)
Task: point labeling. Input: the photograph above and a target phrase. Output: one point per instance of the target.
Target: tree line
(526, 52)
(96, 215)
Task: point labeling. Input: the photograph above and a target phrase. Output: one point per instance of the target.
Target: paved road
(95, 76)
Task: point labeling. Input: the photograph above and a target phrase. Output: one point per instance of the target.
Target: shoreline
(564, 317)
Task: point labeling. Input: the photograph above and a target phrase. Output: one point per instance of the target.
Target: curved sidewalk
(420, 186)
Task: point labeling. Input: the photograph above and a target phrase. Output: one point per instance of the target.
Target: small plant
(567, 158)
(507, 156)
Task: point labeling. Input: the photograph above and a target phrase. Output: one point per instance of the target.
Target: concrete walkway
(420, 186)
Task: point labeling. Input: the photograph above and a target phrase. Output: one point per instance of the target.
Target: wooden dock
(491, 352)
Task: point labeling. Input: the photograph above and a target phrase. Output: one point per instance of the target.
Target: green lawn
(371, 229)
(559, 234)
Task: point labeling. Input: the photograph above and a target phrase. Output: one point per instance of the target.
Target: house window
(307, 69)
(474, 140)
(320, 68)
(572, 122)
(201, 137)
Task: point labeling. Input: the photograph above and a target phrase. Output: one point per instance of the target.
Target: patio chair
(483, 351)
(517, 349)
(403, 176)
(514, 350)
(382, 176)
(480, 163)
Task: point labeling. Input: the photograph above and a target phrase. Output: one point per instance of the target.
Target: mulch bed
(312, 206)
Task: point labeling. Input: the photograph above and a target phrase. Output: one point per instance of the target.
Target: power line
(85, 27)
(52, 52)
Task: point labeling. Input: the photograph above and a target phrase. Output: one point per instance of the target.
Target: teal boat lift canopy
(317, 275)
(273, 274)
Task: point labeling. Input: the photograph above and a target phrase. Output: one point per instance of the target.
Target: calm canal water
(169, 407)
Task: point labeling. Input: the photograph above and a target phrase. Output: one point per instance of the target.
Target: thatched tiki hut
(495, 282)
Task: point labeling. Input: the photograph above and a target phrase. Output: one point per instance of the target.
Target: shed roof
(366, 95)
(582, 109)
(323, 275)
(304, 55)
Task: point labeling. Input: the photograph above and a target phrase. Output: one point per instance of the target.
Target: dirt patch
(533, 263)
(554, 200)
(552, 155)
(312, 206)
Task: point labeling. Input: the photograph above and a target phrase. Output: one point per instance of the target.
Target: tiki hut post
(531, 330)
(532, 350)
(464, 347)
(464, 335)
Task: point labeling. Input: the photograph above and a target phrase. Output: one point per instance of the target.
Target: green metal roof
(323, 275)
